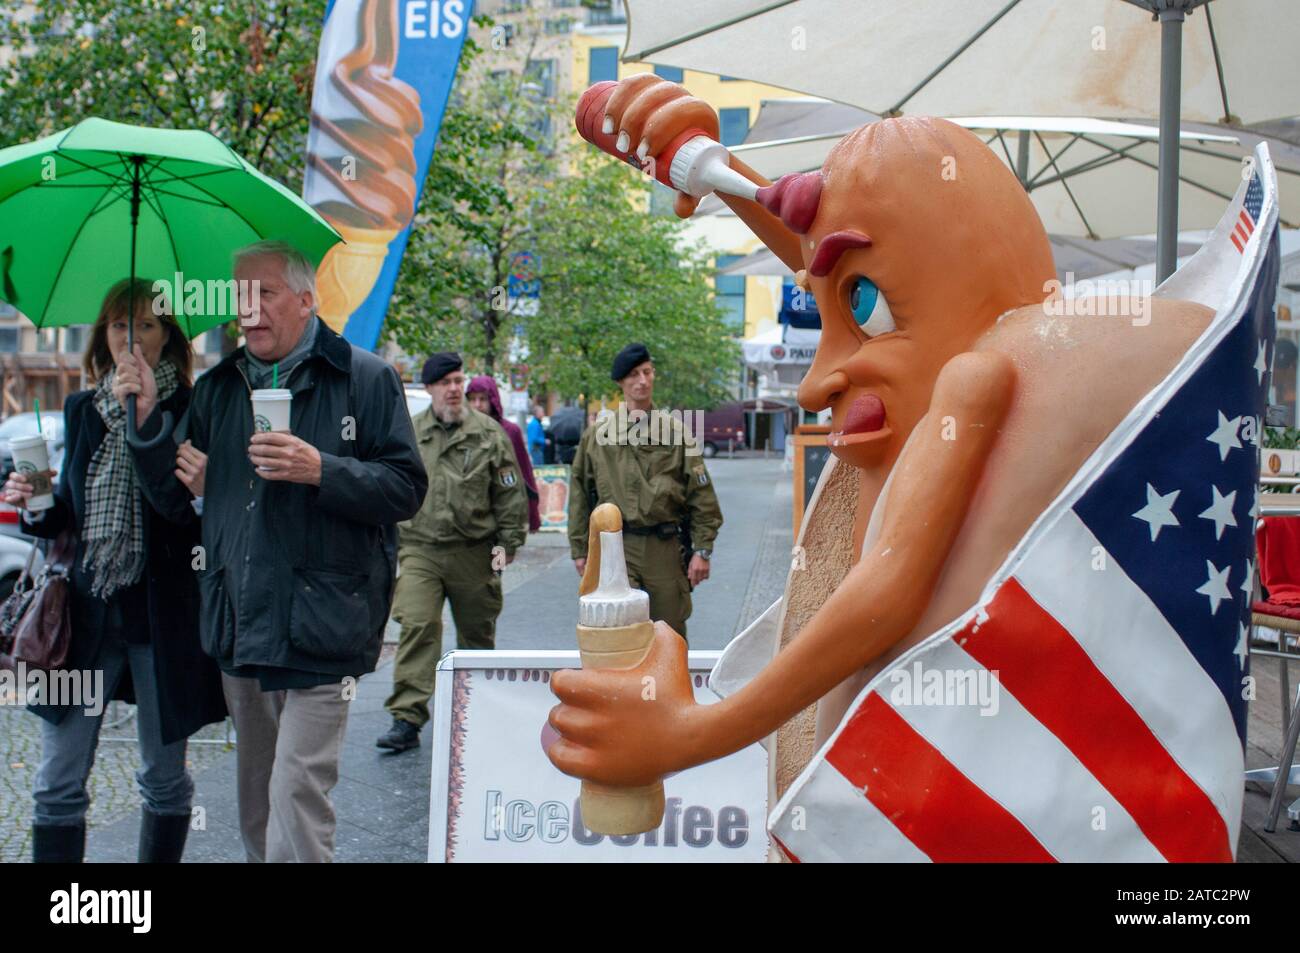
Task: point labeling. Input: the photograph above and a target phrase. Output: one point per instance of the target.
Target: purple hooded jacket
(486, 385)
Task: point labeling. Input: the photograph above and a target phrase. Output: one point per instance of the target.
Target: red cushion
(1273, 608)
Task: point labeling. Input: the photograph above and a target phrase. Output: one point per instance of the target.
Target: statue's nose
(819, 389)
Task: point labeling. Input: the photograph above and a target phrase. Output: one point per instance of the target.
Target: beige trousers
(287, 762)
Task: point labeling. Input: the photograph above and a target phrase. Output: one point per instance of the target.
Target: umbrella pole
(132, 433)
(1171, 76)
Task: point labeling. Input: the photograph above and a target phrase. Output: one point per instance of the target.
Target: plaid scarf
(114, 530)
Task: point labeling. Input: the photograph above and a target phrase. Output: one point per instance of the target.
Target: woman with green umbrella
(109, 199)
(113, 199)
(134, 604)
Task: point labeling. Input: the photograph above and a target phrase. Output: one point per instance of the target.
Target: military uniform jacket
(475, 490)
(647, 471)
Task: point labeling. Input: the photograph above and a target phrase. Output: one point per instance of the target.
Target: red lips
(864, 415)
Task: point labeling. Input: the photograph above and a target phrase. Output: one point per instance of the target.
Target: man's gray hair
(299, 272)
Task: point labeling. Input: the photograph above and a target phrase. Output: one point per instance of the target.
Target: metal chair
(1289, 631)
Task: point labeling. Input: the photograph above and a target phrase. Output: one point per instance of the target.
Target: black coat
(189, 684)
(299, 578)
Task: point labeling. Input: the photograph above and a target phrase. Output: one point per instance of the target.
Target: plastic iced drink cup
(271, 410)
(32, 460)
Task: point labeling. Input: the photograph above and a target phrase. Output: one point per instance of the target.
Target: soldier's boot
(402, 736)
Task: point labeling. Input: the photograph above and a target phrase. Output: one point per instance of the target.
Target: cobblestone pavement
(113, 793)
(751, 560)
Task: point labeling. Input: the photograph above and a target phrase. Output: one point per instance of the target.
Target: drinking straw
(39, 429)
(275, 374)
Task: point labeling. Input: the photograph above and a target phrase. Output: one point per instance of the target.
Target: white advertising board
(496, 796)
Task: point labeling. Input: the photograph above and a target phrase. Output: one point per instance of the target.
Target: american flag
(1117, 633)
(1249, 214)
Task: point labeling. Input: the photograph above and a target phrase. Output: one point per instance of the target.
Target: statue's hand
(648, 113)
(628, 727)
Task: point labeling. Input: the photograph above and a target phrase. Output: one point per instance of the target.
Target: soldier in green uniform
(474, 517)
(652, 469)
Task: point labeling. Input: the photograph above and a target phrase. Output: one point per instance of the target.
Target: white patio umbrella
(1078, 257)
(1097, 58)
(1086, 177)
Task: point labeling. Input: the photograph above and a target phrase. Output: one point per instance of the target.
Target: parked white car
(417, 399)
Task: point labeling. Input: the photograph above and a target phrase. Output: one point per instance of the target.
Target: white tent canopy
(1213, 62)
(1080, 57)
(1091, 178)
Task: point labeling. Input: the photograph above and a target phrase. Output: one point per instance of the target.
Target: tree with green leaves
(242, 71)
(502, 184)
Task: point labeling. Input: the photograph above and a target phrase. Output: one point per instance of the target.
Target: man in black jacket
(298, 561)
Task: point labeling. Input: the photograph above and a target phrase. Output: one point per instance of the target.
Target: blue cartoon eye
(870, 310)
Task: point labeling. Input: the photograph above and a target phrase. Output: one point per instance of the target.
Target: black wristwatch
(704, 554)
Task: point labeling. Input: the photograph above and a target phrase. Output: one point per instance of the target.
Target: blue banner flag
(383, 75)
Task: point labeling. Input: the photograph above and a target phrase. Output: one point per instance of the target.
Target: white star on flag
(1248, 584)
(1261, 366)
(1225, 435)
(1220, 510)
(1159, 511)
(1216, 585)
(1241, 650)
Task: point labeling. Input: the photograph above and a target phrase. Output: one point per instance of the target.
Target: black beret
(439, 366)
(627, 360)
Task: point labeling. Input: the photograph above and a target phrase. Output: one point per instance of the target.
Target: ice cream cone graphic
(349, 271)
(361, 152)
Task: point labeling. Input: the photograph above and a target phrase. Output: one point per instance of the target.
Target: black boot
(58, 843)
(401, 737)
(162, 837)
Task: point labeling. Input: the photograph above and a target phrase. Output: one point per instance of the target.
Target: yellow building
(571, 46)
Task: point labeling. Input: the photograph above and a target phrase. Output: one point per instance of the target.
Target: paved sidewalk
(382, 799)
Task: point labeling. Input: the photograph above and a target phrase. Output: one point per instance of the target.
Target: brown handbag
(35, 627)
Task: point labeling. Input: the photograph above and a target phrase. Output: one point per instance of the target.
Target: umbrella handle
(133, 434)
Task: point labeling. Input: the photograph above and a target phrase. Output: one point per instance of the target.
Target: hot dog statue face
(944, 374)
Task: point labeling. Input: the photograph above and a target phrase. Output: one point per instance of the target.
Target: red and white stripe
(1241, 232)
(1110, 741)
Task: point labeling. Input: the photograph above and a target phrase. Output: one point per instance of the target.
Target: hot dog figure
(963, 404)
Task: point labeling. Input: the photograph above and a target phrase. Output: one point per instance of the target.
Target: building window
(47, 339)
(606, 12)
(661, 198)
(9, 340)
(559, 25)
(735, 125)
(731, 294)
(603, 65)
(74, 339)
(542, 74)
(670, 73)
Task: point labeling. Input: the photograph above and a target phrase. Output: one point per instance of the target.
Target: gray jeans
(287, 762)
(68, 748)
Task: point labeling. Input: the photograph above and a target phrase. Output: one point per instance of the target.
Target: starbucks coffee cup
(271, 410)
(32, 460)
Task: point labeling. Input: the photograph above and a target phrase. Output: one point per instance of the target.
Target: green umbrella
(88, 206)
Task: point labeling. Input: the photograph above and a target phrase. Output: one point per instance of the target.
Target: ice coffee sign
(497, 797)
